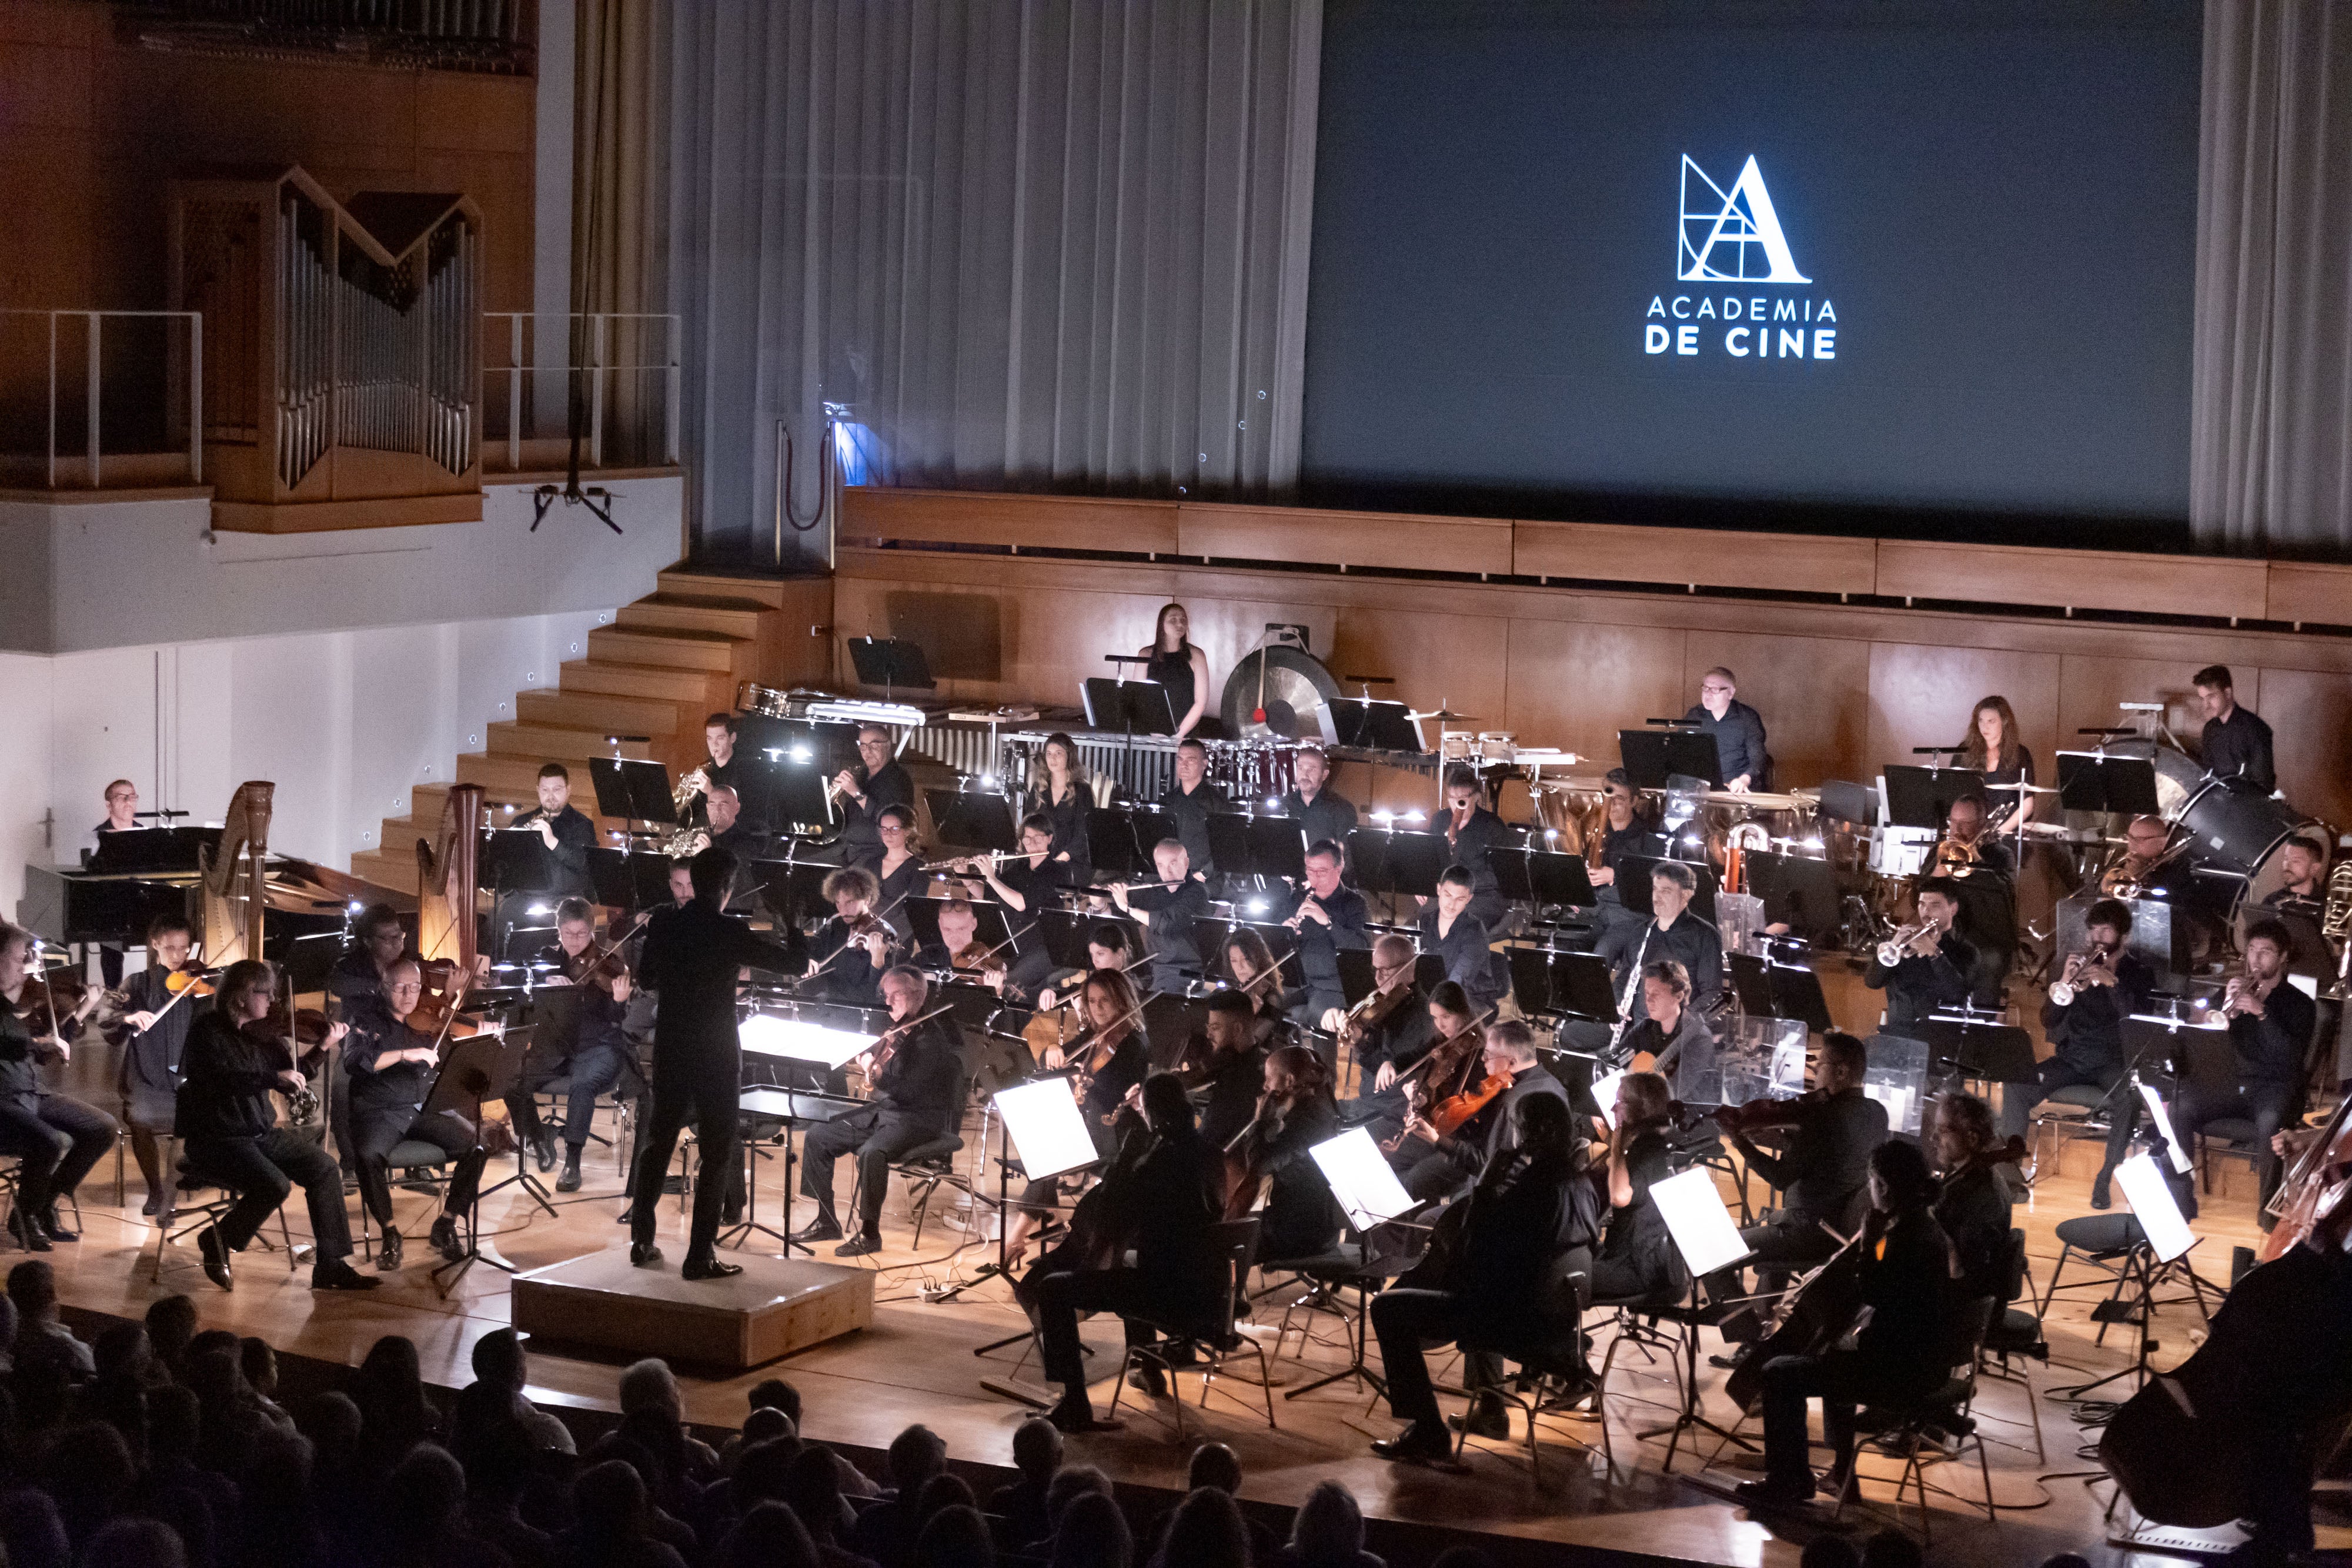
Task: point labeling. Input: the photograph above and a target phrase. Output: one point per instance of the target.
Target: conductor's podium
(774, 1307)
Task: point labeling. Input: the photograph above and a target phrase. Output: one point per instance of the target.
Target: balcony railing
(101, 399)
(625, 377)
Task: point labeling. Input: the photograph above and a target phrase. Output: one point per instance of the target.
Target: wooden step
(775, 592)
(558, 742)
(692, 613)
(665, 649)
(598, 711)
(695, 688)
(386, 869)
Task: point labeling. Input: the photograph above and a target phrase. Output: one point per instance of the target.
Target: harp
(448, 877)
(233, 881)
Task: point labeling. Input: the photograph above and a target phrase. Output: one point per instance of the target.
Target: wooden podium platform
(774, 1307)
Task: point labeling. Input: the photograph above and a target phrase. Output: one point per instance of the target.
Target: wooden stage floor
(917, 1364)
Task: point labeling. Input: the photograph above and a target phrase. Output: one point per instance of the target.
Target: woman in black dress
(1992, 747)
(1180, 667)
(1060, 791)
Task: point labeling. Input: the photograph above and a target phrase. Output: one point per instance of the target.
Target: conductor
(692, 954)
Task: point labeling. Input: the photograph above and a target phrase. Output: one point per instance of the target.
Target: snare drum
(1456, 746)
(1498, 746)
(752, 697)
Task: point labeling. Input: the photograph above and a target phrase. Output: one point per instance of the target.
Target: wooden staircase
(665, 662)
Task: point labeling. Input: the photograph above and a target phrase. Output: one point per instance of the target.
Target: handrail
(195, 321)
(599, 370)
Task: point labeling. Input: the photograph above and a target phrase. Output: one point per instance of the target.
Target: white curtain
(2271, 433)
(1032, 243)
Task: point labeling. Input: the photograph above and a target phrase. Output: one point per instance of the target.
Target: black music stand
(1923, 797)
(625, 880)
(1129, 707)
(794, 891)
(1980, 1047)
(2093, 782)
(474, 1069)
(1210, 933)
(145, 852)
(1633, 874)
(1771, 990)
(1170, 1024)
(1366, 725)
(1843, 800)
(790, 1108)
(632, 790)
(1799, 892)
(1546, 878)
(1115, 836)
(1388, 860)
(890, 663)
(1565, 983)
(1272, 849)
(1653, 755)
(975, 820)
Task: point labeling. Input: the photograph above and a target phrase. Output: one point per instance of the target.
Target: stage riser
(771, 1310)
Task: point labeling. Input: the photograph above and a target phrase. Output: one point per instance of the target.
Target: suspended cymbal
(1443, 716)
(2024, 788)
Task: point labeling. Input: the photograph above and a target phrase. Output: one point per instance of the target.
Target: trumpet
(1906, 941)
(2080, 969)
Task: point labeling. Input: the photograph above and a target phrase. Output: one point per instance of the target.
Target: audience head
(1829, 1551)
(171, 1324)
(765, 1425)
(1207, 1531)
(33, 1290)
(135, 1543)
(647, 1388)
(769, 1535)
(1037, 1448)
(1093, 1534)
(259, 1364)
(775, 1393)
(1327, 1529)
(499, 1360)
(608, 1501)
(1891, 1548)
(917, 1455)
(954, 1537)
(1076, 1481)
(1216, 1466)
(812, 1491)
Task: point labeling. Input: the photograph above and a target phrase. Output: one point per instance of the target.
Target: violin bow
(883, 916)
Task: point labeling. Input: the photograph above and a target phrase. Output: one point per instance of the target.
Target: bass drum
(2233, 826)
(1278, 693)
(2179, 775)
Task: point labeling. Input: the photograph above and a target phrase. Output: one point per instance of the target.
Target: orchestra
(1636, 1260)
(1472, 834)
(1224, 1070)
(720, 769)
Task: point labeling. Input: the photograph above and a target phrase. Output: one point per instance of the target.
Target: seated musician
(1106, 1062)
(589, 1050)
(2147, 841)
(1937, 967)
(1473, 835)
(959, 953)
(1738, 729)
(1494, 1281)
(878, 780)
(1163, 1196)
(1166, 910)
(1449, 1161)
(1625, 832)
(1967, 843)
(1106, 948)
(2302, 877)
(2235, 742)
(1257, 976)
(1820, 1169)
(899, 872)
(1061, 792)
(2271, 1022)
(121, 817)
(1674, 930)
(728, 828)
(1982, 873)
(1225, 1071)
(1293, 1114)
(1320, 813)
(1674, 1036)
(377, 939)
(391, 1068)
(55, 1137)
(1025, 884)
(913, 1102)
(1901, 1353)
(1636, 1259)
(1392, 1043)
(1329, 915)
(1992, 747)
(1451, 929)
(566, 835)
(849, 951)
(1972, 1202)
(153, 1034)
(1187, 802)
(2109, 986)
(228, 1127)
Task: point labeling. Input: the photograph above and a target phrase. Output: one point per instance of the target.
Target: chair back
(2012, 1267)
(1237, 1239)
(1965, 1332)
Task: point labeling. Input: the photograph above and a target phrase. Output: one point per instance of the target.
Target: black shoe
(387, 1253)
(1149, 1381)
(570, 1180)
(1415, 1445)
(1728, 1362)
(214, 1252)
(859, 1247)
(152, 1206)
(28, 1231)
(627, 1217)
(337, 1275)
(817, 1230)
(2100, 1197)
(1770, 1493)
(709, 1269)
(56, 1228)
(543, 1150)
(1485, 1418)
(643, 1255)
(444, 1239)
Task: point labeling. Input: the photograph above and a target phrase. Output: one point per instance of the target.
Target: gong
(1278, 694)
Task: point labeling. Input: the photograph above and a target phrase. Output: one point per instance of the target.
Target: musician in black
(1904, 1267)
(850, 950)
(692, 956)
(2236, 743)
(1938, 966)
(154, 1035)
(1983, 877)
(1187, 802)
(1473, 836)
(1107, 948)
(1163, 1195)
(1320, 813)
(1293, 1114)
(55, 1137)
(730, 830)
(914, 1102)
(580, 1042)
(1166, 910)
(1225, 1071)
(565, 834)
(1329, 915)
(1681, 1045)
(1992, 748)
(1636, 1259)
(1387, 1045)
(876, 781)
(228, 1128)
(1105, 1062)
(1972, 1201)
(1494, 1281)
(1821, 1170)
(1451, 928)
(392, 1068)
(721, 769)
(1451, 1161)
(1674, 930)
(1624, 832)
(2271, 1022)
(121, 817)
(2109, 986)
(1739, 730)
(377, 940)
(1026, 884)
(2302, 877)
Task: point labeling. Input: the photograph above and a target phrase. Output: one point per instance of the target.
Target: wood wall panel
(2310, 716)
(2086, 579)
(1816, 689)
(1609, 552)
(1040, 522)
(1575, 685)
(2302, 591)
(1345, 539)
(2090, 685)
(1921, 695)
(1456, 659)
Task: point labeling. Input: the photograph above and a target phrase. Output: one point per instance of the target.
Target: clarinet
(1625, 1003)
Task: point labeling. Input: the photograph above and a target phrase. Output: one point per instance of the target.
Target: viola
(1369, 1015)
(447, 982)
(1449, 1114)
(304, 1036)
(1443, 1071)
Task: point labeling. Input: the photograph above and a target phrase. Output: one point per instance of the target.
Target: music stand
(1572, 985)
(1170, 1024)
(145, 852)
(1129, 707)
(1633, 873)
(632, 790)
(889, 662)
(475, 1069)
(2093, 782)
(1404, 862)
(792, 1109)
(1116, 840)
(1923, 797)
(1709, 1243)
(1980, 1047)
(1799, 892)
(794, 890)
(1767, 990)
(975, 820)
(2162, 1250)
(1067, 931)
(1651, 757)
(1366, 725)
(625, 879)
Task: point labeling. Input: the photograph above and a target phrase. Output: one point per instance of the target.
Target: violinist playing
(55, 1137)
(2096, 990)
(1822, 1169)
(1257, 975)
(1293, 1112)
(959, 953)
(849, 951)
(1509, 1074)
(1388, 1032)
(1901, 1353)
(1228, 1068)
(1329, 915)
(392, 1067)
(153, 1033)
(1934, 966)
(1166, 910)
(1972, 1202)
(1637, 1260)
(579, 1039)
(912, 1075)
(1106, 1061)
(228, 1127)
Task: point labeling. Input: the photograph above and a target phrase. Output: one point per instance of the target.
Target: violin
(1449, 1114)
(1758, 1115)
(886, 1044)
(1369, 1014)
(1245, 1155)
(1449, 1062)
(446, 981)
(50, 998)
(976, 959)
(601, 966)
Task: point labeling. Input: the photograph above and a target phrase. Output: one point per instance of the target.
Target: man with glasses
(1738, 729)
(864, 790)
(391, 1068)
(121, 817)
(1387, 1046)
